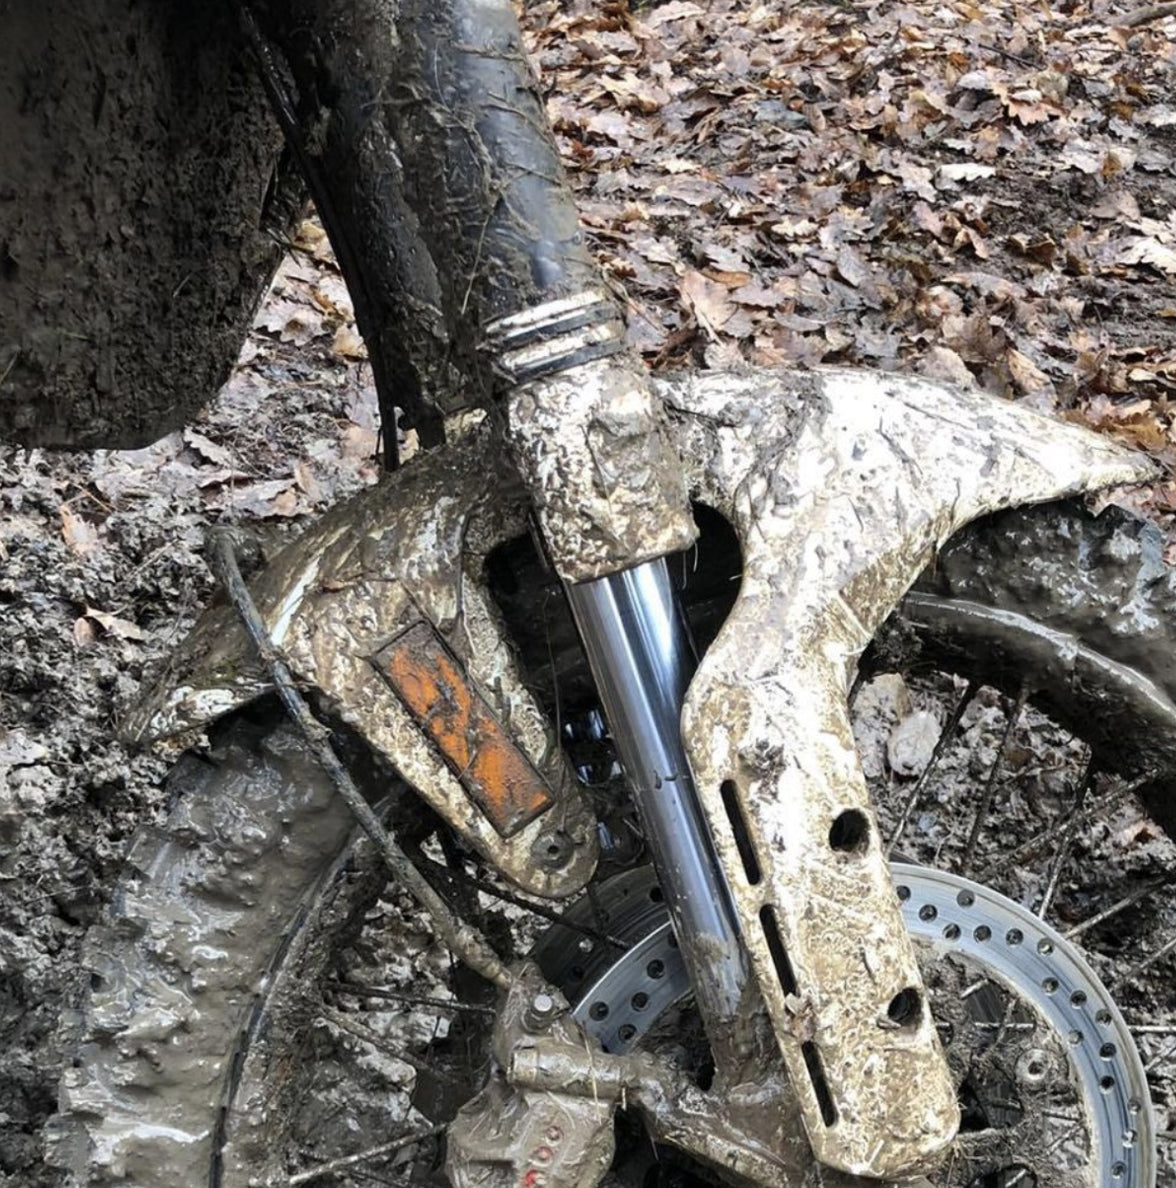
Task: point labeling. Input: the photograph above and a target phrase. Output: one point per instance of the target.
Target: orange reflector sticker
(499, 778)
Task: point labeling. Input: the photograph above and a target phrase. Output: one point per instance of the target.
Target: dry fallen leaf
(291, 322)
(261, 499)
(917, 179)
(80, 535)
(851, 267)
(612, 125)
(216, 454)
(1027, 377)
(966, 171)
(331, 295)
(1150, 251)
(347, 343)
(113, 625)
(359, 442)
(675, 10)
(1116, 204)
(707, 300)
(306, 481)
(942, 363)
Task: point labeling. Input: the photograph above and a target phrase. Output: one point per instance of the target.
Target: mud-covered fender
(792, 458)
(840, 485)
(405, 552)
(146, 198)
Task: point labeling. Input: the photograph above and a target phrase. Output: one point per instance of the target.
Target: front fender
(407, 551)
(841, 485)
(808, 466)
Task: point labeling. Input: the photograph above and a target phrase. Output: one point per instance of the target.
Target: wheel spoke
(373, 1039)
(367, 1156)
(1066, 837)
(1092, 812)
(945, 736)
(1169, 946)
(1127, 901)
(974, 988)
(538, 909)
(1023, 801)
(1006, 1023)
(442, 1004)
(1162, 1058)
(989, 792)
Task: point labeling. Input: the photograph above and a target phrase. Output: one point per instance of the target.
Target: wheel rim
(953, 920)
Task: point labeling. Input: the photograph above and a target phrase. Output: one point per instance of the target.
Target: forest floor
(984, 194)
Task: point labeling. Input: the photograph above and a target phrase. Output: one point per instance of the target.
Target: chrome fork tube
(642, 660)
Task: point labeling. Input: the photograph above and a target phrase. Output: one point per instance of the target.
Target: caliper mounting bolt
(541, 1012)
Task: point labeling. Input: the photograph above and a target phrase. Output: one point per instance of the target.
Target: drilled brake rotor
(1052, 1088)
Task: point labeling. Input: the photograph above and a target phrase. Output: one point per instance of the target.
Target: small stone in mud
(888, 694)
(911, 743)
(880, 704)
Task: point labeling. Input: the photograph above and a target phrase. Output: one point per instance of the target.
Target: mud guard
(144, 195)
(840, 485)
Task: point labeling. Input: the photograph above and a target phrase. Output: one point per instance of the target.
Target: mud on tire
(171, 977)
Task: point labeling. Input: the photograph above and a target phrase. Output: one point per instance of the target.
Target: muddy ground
(981, 193)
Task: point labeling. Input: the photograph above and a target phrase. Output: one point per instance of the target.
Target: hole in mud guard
(816, 1072)
(850, 832)
(734, 807)
(906, 1007)
(777, 950)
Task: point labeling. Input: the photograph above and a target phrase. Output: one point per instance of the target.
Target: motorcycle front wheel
(259, 1008)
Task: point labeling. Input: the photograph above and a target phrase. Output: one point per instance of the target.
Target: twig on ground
(349, 1161)
(1144, 16)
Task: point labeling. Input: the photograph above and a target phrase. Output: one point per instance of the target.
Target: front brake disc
(1052, 1088)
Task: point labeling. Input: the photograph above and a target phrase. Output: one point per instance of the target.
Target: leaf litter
(961, 189)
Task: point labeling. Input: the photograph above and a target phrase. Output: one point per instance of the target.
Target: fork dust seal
(555, 336)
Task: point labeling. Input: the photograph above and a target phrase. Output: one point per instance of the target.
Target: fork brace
(840, 486)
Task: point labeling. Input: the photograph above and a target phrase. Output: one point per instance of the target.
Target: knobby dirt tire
(208, 905)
